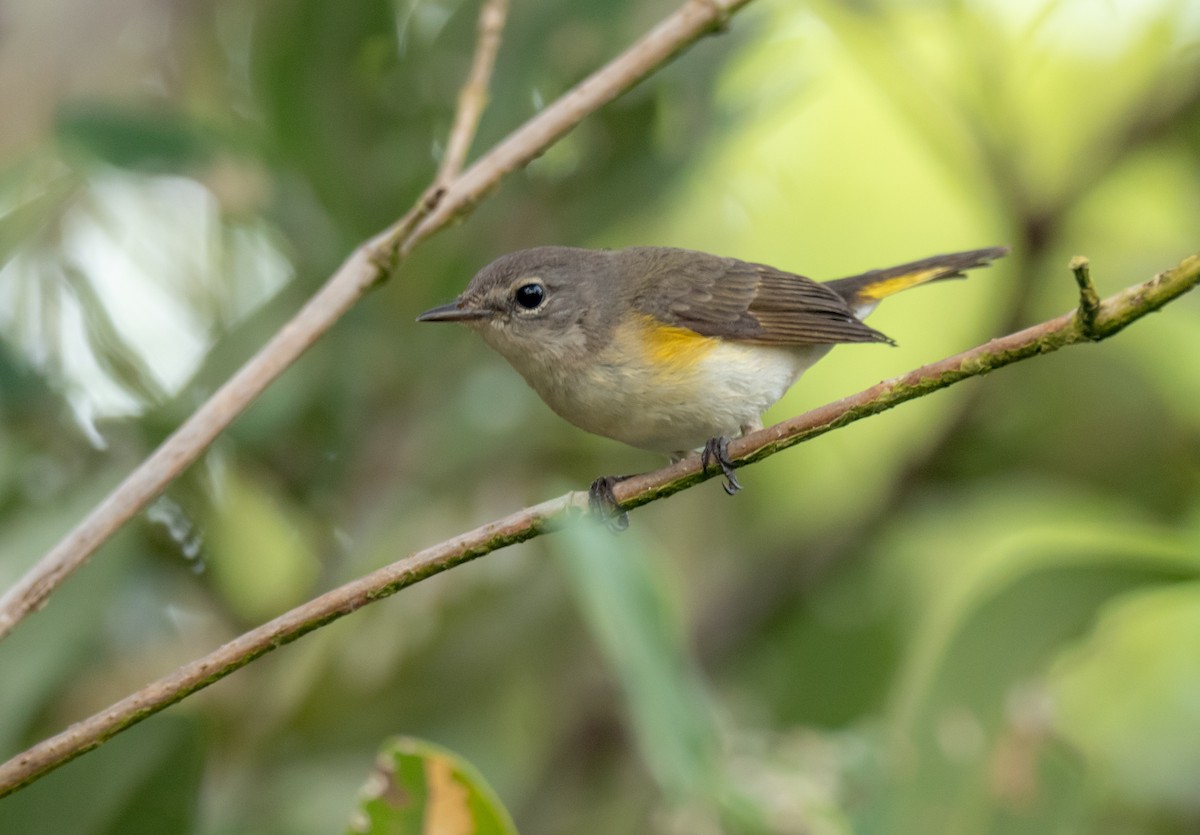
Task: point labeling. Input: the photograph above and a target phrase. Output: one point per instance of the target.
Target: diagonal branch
(1110, 316)
(367, 266)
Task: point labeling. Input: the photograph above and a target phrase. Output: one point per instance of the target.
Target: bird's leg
(717, 449)
(602, 502)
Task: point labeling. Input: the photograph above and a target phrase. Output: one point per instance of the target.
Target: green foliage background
(977, 613)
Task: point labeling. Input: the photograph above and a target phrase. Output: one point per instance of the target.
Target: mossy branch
(1090, 323)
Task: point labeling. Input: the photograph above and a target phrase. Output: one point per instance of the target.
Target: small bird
(671, 350)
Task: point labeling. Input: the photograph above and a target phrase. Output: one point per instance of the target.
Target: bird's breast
(669, 389)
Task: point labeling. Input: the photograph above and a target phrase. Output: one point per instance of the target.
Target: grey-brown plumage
(665, 348)
(721, 297)
(733, 299)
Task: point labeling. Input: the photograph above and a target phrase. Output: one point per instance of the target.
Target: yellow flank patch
(670, 347)
(888, 286)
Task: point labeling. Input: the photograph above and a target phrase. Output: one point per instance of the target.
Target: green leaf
(627, 604)
(1000, 586)
(627, 607)
(1020, 574)
(261, 552)
(418, 787)
(139, 139)
(1127, 697)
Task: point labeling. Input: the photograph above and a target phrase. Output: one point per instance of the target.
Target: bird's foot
(602, 502)
(717, 450)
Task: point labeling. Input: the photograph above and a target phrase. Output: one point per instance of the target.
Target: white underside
(727, 391)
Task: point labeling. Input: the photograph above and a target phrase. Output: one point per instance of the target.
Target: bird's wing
(736, 300)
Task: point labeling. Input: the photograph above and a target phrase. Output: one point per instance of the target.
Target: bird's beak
(453, 313)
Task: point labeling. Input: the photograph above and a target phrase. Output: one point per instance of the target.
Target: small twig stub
(1089, 299)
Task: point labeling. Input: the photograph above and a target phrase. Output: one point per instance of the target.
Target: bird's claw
(602, 502)
(717, 450)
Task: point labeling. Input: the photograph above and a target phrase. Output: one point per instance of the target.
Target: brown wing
(733, 299)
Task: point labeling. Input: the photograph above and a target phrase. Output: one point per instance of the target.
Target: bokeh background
(979, 612)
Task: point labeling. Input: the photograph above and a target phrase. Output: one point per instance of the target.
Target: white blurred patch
(169, 272)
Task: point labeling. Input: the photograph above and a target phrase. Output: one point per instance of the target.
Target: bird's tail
(865, 290)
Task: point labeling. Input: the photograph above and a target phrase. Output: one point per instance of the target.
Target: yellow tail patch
(894, 284)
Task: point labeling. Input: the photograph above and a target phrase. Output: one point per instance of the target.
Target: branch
(367, 266)
(1111, 316)
(472, 99)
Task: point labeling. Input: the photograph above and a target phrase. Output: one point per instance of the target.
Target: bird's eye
(530, 296)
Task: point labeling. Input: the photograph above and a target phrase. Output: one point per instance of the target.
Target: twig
(691, 21)
(371, 263)
(472, 99)
(1089, 299)
(1112, 315)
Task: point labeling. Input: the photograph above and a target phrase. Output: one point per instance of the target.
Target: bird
(672, 350)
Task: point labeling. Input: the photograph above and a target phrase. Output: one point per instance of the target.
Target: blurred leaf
(337, 109)
(261, 554)
(886, 42)
(419, 788)
(1007, 552)
(1005, 582)
(111, 350)
(142, 139)
(145, 781)
(626, 603)
(1129, 697)
(999, 87)
(49, 648)
(33, 195)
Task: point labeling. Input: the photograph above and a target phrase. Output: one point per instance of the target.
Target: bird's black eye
(530, 296)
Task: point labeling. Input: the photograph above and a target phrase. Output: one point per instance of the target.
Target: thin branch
(368, 265)
(691, 21)
(1112, 315)
(473, 97)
